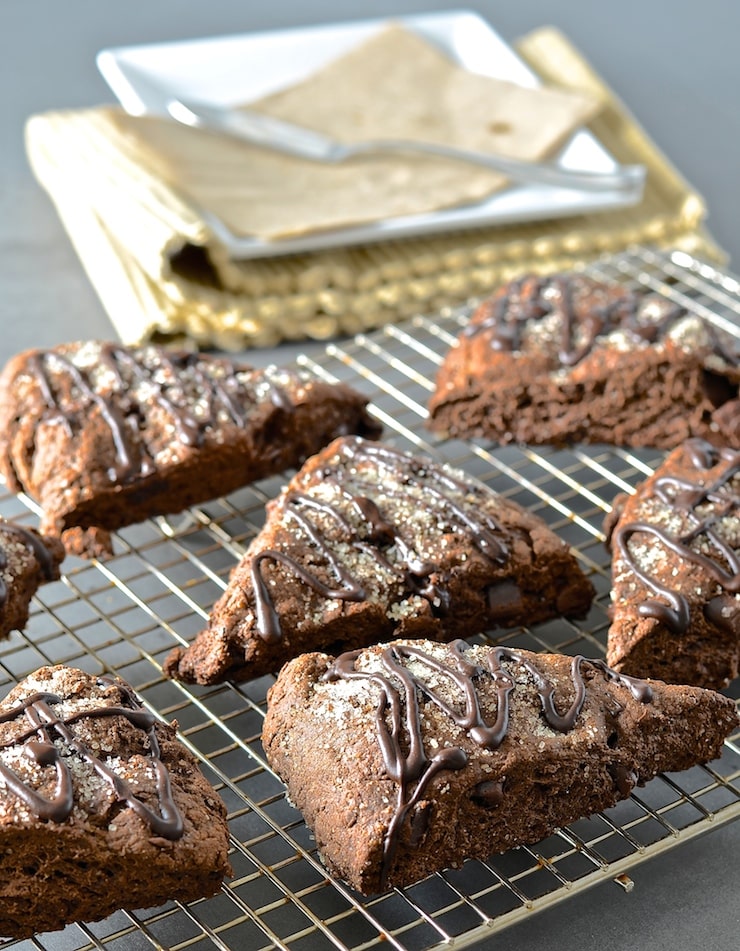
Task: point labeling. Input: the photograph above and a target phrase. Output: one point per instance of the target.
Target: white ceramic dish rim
(145, 78)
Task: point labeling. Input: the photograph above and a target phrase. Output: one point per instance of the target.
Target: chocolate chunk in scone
(676, 570)
(367, 543)
(410, 757)
(101, 807)
(103, 435)
(27, 560)
(567, 358)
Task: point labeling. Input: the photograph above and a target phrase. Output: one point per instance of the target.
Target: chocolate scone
(101, 807)
(368, 543)
(567, 358)
(676, 570)
(410, 757)
(103, 435)
(27, 560)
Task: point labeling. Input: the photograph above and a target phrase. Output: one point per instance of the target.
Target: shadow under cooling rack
(125, 615)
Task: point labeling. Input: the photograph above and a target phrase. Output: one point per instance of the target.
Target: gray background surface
(675, 65)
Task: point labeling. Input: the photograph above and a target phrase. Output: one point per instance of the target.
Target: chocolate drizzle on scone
(42, 740)
(676, 570)
(570, 358)
(399, 715)
(102, 435)
(367, 543)
(528, 301)
(409, 757)
(442, 494)
(101, 808)
(156, 376)
(27, 560)
(702, 509)
(47, 560)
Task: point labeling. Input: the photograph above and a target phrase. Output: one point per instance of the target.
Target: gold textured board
(161, 273)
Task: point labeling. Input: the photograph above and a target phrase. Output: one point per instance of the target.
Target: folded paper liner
(395, 85)
(162, 274)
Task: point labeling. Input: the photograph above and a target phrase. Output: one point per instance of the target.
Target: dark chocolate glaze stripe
(398, 717)
(39, 746)
(377, 533)
(121, 415)
(32, 541)
(529, 300)
(716, 501)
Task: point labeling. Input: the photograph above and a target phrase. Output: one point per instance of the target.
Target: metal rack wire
(124, 615)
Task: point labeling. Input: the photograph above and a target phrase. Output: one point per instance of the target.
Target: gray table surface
(675, 65)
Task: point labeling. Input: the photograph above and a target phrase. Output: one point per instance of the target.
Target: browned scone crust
(454, 778)
(27, 560)
(103, 435)
(676, 570)
(566, 358)
(368, 543)
(75, 847)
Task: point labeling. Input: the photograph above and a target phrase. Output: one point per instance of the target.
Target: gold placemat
(162, 274)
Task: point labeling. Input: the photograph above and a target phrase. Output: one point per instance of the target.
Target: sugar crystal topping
(53, 763)
(376, 519)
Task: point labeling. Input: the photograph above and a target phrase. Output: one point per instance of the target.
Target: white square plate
(232, 70)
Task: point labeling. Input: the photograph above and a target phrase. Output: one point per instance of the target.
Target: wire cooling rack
(124, 616)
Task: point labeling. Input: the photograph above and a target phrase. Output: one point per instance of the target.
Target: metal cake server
(291, 139)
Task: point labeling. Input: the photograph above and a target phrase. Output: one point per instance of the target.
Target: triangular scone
(411, 757)
(567, 358)
(103, 435)
(368, 543)
(676, 570)
(101, 807)
(27, 560)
